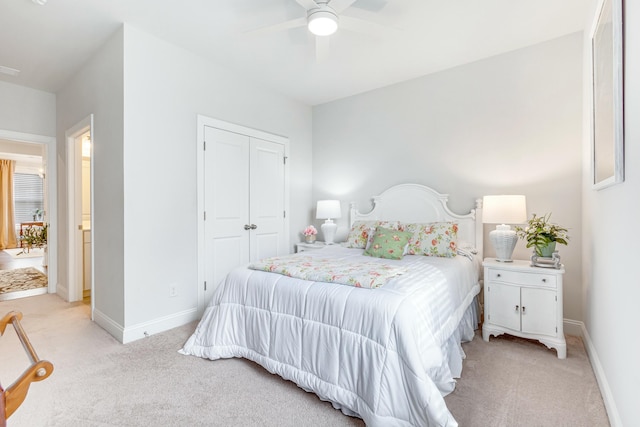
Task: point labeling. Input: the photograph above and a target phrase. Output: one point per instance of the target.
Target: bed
(387, 354)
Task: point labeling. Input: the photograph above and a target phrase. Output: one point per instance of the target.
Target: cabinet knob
(517, 307)
(498, 275)
(523, 309)
(544, 280)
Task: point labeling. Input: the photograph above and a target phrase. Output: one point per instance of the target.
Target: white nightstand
(303, 246)
(524, 301)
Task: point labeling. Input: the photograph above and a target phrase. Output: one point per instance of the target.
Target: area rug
(21, 279)
(19, 253)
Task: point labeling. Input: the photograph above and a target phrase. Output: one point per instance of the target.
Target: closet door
(244, 201)
(266, 202)
(226, 193)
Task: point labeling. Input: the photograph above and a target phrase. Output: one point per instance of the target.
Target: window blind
(27, 196)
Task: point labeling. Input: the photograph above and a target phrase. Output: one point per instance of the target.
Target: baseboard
(62, 291)
(605, 390)
(108, 324)
(156, 326)
(575, 327)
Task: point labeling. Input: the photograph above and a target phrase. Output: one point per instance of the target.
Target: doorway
(46, 148)
(80, 212)
(23, 266)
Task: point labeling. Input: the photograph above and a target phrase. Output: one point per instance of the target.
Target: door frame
(74, 242)
(202, 122)
(51, 215)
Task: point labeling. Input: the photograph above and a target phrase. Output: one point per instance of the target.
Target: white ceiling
(49, 43)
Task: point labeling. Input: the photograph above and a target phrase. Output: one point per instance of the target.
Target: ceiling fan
(323, 19)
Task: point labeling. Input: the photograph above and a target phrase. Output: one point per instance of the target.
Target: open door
(79, 209)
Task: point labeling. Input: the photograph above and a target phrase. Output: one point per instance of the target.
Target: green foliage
(539, 232)
(34, 236)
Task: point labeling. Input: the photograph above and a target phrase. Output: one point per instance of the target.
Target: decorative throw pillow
(388, 243)
(433, 239)
(359, 233)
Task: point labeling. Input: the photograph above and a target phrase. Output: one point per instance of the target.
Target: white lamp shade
(328, 209)
(504, 209)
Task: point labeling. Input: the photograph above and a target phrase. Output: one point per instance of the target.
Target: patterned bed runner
(367, 274)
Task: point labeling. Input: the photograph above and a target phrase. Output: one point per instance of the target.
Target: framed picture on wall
(607, 130)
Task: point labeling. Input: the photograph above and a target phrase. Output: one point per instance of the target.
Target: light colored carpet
(510, 381)
(99, 382)
(20, 253)
(21, 279)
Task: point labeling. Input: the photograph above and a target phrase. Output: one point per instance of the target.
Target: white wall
(510, 124)
(27, 110)
(145, 95)
(610, 253)
(98, 88)
(165, 88)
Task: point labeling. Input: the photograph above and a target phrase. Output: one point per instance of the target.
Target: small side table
(304, 246)
(524, 301)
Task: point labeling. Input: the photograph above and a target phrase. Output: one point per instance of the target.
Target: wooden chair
(39, 370)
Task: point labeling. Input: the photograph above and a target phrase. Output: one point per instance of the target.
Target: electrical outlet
(173, 290)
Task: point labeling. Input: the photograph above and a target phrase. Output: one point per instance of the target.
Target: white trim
(598, 370)
(52, 197)
(108, 324)
(162, 324)
(74, 156)
(573, 327)
(203, 121)
(576, 327)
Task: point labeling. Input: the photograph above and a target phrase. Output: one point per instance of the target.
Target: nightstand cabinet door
(539, 311)
(504, 305)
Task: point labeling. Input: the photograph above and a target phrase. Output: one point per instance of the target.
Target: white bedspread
(386, 354)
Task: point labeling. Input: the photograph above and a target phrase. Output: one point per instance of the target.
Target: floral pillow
(359, 233)
(433, 239)
(388, 243)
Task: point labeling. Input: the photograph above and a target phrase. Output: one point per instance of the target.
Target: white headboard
(418, 203)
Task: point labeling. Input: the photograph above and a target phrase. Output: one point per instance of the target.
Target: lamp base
(329, 231)
(504, 241)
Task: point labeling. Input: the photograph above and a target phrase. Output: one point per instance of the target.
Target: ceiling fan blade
(367, 27)
(340, 5)
(323, 47)
(308, 4)
(287, 25)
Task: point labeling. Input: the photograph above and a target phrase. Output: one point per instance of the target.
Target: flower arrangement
(310, 234)
(539, 233)
(310, 231)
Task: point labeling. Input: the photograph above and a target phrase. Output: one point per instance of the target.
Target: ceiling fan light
(322, 22)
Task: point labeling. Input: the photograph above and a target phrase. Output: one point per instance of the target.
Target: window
(27, 196)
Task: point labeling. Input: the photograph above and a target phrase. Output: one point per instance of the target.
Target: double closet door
(245, 211)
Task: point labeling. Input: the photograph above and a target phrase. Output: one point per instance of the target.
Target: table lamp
(504, 210)
(328, 210)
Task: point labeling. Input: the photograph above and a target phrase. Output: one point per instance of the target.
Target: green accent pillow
(388, 243)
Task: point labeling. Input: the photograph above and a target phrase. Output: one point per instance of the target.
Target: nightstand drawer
(521, 278)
